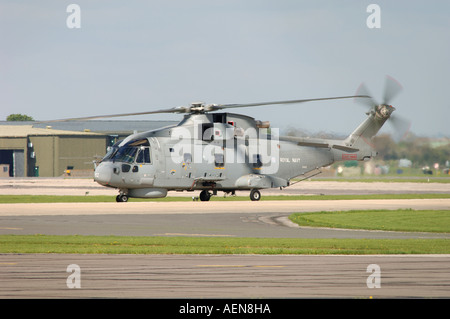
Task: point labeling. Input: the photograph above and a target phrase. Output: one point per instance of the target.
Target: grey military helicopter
(212, 151)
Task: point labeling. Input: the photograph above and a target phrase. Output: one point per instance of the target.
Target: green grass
(5, 199)
(393, 220)
(392, 179)
(214, 245)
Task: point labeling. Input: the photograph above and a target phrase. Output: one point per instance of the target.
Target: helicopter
(211, 151)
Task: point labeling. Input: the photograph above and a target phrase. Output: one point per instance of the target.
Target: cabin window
(257, 161)
(187, 158)
(219, 117)
(207, 131)
(219, 160)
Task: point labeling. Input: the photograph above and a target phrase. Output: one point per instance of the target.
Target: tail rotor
(385, 110)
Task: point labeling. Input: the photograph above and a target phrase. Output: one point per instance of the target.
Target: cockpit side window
(143, 156)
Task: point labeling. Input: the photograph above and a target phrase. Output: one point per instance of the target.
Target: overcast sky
(136, 56)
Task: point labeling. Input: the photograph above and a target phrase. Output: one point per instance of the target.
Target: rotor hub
(197, 104)
(384, 111)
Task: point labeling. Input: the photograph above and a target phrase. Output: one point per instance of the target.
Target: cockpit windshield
(125, 154)
(111, 151)
(133, 151)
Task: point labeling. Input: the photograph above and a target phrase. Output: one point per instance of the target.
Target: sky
(137, 56)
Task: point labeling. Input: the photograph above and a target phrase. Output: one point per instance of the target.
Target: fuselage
(219, 151)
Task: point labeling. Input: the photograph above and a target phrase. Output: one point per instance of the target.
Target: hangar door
(16, 161)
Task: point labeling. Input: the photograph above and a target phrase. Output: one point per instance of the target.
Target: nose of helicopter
(103, 174)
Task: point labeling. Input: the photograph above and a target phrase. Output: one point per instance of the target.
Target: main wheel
(122, 198)
(255, 195)
(205, 196)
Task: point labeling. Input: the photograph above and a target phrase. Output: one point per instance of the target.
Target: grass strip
(445, 179)
(10, 199)
(393, 220)
(213, 245)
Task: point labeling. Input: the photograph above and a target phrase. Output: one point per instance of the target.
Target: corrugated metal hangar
(61, 148)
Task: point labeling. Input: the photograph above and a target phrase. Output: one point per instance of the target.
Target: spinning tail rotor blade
(401, 127)
(363, 91)
(391, 89)
(400, 124)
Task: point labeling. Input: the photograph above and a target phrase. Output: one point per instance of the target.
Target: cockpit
(135, 151)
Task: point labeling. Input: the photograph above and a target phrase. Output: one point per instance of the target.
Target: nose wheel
(121, 198)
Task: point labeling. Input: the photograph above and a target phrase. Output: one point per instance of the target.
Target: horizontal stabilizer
(319, 143)
(311, 144)
(345, 148)
(306, 141)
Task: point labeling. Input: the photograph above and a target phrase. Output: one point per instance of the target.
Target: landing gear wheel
(255, 195)
(205, 196)
(122, 198)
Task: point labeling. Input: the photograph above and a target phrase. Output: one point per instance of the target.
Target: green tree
(19, 117)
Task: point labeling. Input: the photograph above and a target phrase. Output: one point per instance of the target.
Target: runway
(237, 219)
(235, 276)
(226, 277)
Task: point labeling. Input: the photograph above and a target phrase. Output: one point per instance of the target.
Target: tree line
(421, 151)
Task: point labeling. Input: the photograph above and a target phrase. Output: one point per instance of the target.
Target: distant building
(53, 149)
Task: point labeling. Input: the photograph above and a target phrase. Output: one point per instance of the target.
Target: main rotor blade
(180, 109)
(391, 88)
(225, 106)
(207, 108)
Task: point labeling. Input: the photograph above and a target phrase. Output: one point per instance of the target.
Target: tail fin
(361, 137)
(365, 131)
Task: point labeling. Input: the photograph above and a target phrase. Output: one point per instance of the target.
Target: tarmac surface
(211, 276)
(224, 276)
(236, 219)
